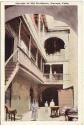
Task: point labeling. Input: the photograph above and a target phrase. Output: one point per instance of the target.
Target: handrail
(11, 56)
(28, 57)
(56, 74)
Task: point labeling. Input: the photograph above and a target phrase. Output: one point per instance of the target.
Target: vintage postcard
(40, 60)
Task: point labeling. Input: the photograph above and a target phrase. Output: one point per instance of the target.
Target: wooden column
(37, 58)
(43, 33)
(43, 66)
(30, 47)
(41, 63)
(20, 32)
(43, 30)
(19, 39)
(39, 25)
(50, 71)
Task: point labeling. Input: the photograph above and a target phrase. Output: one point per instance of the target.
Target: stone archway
(53, 44)
(48, 94)
(62, 13)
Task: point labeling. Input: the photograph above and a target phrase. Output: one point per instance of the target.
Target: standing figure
(52, 103)
(34, 110)
(46, 106)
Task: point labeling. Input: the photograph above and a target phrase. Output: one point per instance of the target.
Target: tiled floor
(42, 116)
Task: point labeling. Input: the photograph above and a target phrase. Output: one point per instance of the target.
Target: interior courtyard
(41, 53)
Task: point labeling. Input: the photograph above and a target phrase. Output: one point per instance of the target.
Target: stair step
(8, 75)
(9, 70)
(11, 65)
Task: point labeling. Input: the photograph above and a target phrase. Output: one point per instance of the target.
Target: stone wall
(21, 94)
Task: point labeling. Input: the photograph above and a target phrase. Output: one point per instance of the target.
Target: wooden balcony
(59, 56)
(58, 78)
(29, 63)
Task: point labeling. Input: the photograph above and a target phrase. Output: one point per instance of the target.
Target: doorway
(49, 94)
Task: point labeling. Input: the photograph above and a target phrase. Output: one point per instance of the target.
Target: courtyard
(41, 116)
(39, 65)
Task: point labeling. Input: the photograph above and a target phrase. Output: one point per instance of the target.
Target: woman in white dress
(46, 106)
(52, 103)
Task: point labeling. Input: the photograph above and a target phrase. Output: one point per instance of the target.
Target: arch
(62, 13)
(48, 94)
(50, 35)
(53, 44)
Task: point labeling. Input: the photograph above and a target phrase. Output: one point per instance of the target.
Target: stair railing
(12, 55)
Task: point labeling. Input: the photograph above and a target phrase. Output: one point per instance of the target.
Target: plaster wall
(73, 64)
(65, 98)
(21, 94)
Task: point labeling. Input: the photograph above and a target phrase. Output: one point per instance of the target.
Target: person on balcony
(55, 75)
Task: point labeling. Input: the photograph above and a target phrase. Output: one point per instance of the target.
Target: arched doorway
(53, 45)
(49, 94)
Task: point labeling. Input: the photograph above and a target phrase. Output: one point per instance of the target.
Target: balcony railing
(56, 77)
(60, 56)
(29, 63)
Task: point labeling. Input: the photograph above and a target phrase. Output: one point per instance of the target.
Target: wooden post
(41, 64)
(30, 47)
(37, 58)
(50, 71)
(39, 25)
(43, 30)
(20, 31)
(19, 39)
